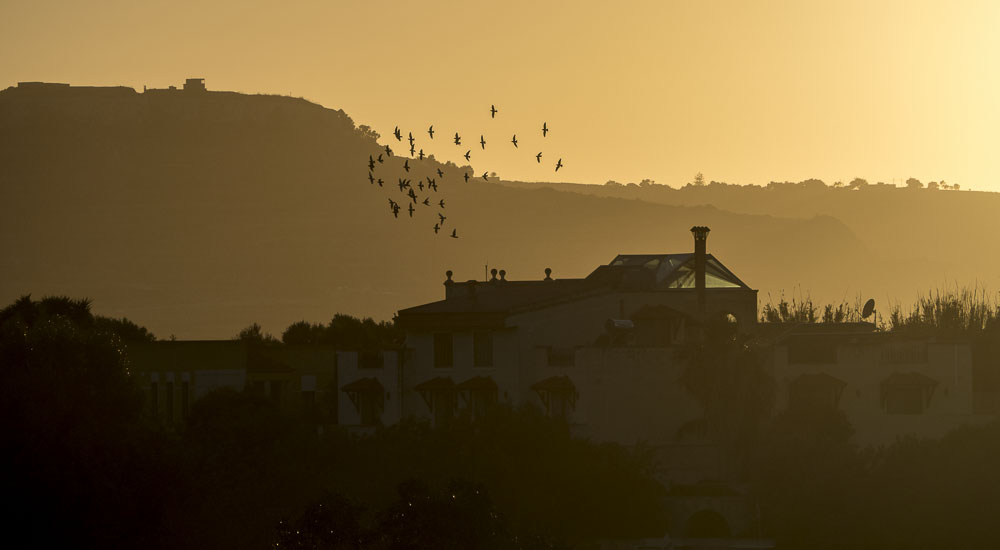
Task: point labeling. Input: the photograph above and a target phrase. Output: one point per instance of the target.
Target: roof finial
(548, 273)
(448, 274)
(503, 274)
(493, 273)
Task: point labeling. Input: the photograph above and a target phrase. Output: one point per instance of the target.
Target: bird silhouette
(421, 186)
(468, 155)
(371, 163)
(484, 176)
(388, 151)
(538, 157)
(514, 141)
(458, 139)
(406, 165)
(412, 150)
(442, 217)
(482, 141)
(399, 136)
(441, 203)
(411, 210)
(545, 130)
(558, 165)
(436, 228)
(454, 233)
(430, 131)
(466, 177)
(380, 182)
(493, 111)
(403, 184)
(412, 195)
(421, 154)
(379, 159)
(371, 178)
(411, 138)
(427, 202)
(440, 173)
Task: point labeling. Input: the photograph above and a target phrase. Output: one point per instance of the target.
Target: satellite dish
(868, 309)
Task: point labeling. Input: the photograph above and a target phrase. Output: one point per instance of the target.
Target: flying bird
(406, 165)
(430, 131)
(514, 141)
(545, 130)
(493, 111)
(427, 202)
(466, 177)
(388, 151)
(436, 228)
(403, 184)
(379, 158)
(468, 155)
(371, 178)
(558, 165)
(458, 139)
(482, 141)
(454, 233)
(411, 138)
(421, 186)
(440, 173)
(442, 217)
(412, 150)
(441, 203)
(538, 157)
(421, 154)
(412, 195)
(371, 163)
(411, 210)
(380, 182)
(399, 136)
(484, 176)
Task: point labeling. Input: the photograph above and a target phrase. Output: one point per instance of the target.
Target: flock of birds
(427, 185)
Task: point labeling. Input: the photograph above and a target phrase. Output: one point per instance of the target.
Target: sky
(743, 92)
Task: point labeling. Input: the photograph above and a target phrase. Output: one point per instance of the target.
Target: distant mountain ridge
(195, 213)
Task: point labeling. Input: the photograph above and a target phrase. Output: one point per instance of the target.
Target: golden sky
(743, 91)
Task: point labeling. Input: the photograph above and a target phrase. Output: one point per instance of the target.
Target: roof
(665, 271)
(554, 383)
(818, 380)
(909, 379)
(477, 383)
(485, 304)
(364, 385)
(436, 384)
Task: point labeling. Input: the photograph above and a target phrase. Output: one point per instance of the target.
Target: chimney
(700, 233)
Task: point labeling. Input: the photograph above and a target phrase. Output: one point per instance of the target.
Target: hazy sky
(743, 91)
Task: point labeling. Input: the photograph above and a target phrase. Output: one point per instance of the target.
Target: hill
(197, 213)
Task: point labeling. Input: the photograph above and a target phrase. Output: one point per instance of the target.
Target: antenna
(868, 309)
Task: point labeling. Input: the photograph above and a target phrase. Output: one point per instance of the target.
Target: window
(154, 398)
(185, 399)
(482, 348)
(370, 406)
(170, 401)
(561, 357)
(369, 359)
(443, 353)
(815, 391)
(904, 400)
(812, 350)
(907, 393)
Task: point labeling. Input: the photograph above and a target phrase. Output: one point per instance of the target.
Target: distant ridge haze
(197, 215)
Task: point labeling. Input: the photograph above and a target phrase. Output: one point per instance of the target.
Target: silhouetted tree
(255, 334)
(699, 180)
(913, 183)
(78, 456)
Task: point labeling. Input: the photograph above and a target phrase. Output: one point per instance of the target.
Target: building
(518, 342)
